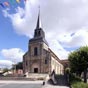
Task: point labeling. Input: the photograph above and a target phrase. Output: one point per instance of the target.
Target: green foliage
(19, 65)
(5, 70)
(79, 85)
(79, 60)
(41, 78)
(67, 70)
(76, 82)
(74, 78)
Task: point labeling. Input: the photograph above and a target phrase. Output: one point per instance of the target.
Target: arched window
(35, 33)
(26, 63)
(39, 32)
(46, 62)
(35, 51)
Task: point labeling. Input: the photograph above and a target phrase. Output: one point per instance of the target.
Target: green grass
(79, 85)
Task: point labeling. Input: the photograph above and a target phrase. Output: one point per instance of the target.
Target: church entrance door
(35, 70)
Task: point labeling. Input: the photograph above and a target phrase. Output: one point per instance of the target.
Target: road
(20, 84)
(27, 84)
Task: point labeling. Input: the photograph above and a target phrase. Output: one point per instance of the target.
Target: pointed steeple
(39, 34)
(38, 21)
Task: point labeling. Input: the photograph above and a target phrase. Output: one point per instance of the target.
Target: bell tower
(37, 47)
(39, 34)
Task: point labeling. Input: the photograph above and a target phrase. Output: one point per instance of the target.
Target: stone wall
(56, 66)
(31, 61)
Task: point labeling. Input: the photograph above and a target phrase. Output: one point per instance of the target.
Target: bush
(74, 78)
(41, 78)
(67, 70)
(76, 82)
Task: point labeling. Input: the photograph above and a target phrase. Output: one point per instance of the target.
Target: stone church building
(40, 58)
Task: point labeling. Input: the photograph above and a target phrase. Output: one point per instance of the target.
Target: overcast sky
(65, 23)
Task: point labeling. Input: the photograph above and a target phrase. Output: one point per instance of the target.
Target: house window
(26, 63)
(35, 51)
(46, 61)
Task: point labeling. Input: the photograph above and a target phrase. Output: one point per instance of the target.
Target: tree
(19, 65)
(5, 70)
(79, 61)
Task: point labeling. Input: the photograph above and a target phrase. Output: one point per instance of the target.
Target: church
(40, 58)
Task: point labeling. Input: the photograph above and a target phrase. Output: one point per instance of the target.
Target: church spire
(39, 34)
(38, 21)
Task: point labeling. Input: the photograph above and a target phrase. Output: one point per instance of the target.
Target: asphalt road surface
(27, 84)
(20, 84)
